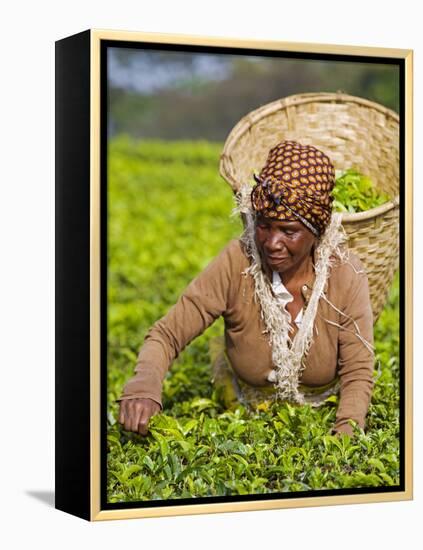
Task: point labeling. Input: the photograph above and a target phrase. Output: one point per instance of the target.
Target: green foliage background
(168, 217)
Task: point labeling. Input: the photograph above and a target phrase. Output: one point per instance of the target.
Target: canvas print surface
(200, 299)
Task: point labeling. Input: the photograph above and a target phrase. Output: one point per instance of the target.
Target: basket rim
(348, 217)
(248, 120)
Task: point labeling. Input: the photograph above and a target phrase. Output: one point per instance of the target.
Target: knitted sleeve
(202, 302)
(356, 355)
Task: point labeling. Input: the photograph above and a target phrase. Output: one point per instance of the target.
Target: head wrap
(295, 184)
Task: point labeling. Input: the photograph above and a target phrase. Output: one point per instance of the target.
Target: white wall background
(27, 37)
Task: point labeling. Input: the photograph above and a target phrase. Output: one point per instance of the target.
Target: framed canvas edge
(194, 40)
(408, 275)
(96, 513)
(251, 506)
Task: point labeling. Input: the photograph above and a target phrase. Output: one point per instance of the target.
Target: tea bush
(168, 217)
(355, 192)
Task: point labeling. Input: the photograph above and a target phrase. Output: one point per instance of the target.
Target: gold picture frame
(81, 148)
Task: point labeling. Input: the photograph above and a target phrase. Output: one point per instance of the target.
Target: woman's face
(284, 245)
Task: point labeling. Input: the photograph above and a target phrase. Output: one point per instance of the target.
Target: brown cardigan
(223, 289)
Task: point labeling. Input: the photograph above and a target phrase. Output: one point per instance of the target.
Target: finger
(153, 409)
(143, 422)
(127, 423)
(121, 418)
(156, 409)
(136, 411)
(128, 414)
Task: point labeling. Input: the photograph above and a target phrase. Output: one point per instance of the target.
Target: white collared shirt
(283, 296)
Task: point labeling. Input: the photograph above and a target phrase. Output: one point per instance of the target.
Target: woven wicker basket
(355, 133)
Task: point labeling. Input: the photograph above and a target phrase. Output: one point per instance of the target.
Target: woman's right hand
(135, 414)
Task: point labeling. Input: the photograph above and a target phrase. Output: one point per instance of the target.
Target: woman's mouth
(275, 258)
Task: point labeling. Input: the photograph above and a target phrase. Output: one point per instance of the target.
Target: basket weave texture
(354, 133)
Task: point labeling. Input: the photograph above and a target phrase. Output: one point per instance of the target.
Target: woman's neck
(301, 273)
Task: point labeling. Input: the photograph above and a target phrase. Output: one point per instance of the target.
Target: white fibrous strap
(288, 360)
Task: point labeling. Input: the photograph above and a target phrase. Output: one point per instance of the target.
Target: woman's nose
(274, 242)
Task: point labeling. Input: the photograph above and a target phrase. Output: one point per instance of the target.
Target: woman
(298, 319)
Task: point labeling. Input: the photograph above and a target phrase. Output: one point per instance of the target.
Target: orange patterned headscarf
(295, 184)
